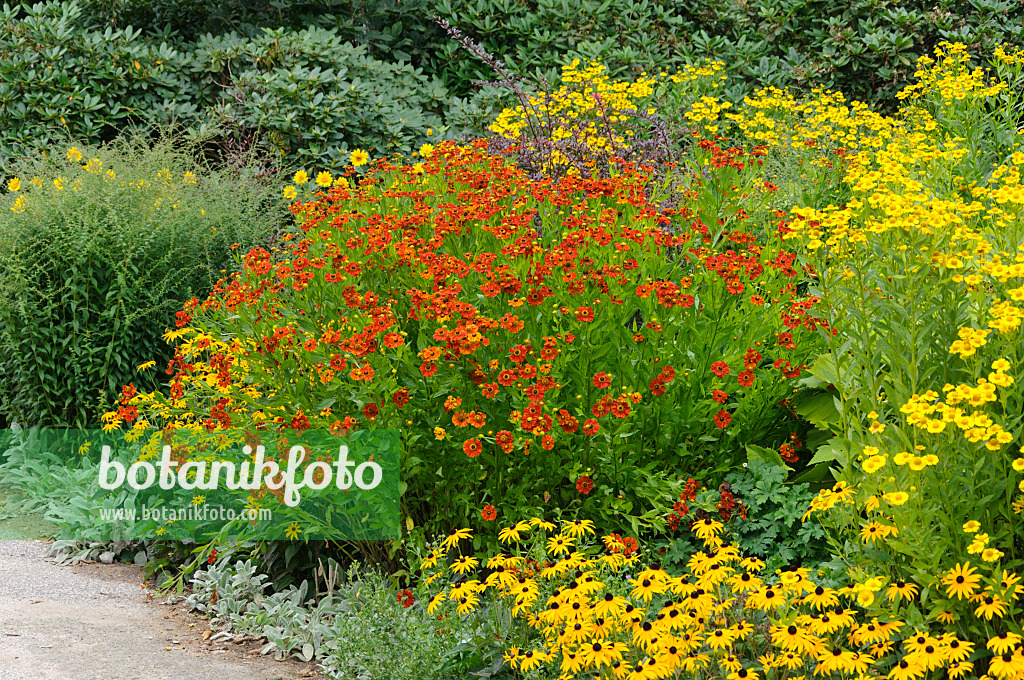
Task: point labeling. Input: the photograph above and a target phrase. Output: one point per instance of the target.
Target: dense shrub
(59, 81)
(98, 248)
(313, 97)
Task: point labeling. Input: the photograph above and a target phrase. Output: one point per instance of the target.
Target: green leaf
(761, 454)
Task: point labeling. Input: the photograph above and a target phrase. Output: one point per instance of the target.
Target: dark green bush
(58, 80)
(313, 97)
(96, 256)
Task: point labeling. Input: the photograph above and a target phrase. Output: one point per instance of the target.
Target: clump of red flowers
(405, 597)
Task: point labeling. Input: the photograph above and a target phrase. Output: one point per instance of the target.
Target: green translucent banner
(238, 484)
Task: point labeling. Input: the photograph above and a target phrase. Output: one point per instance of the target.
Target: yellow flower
(14, 184)
(902, 458)
(146, 365)
(453, 540)
(359, 157)
(971, 526)
(290, 192)
(439, 433)
(1018, 464)
(341, 182)
(324, 179)
(300, 177)
(897, 497)
(293, 531)
(74, 155)
(426, 150)
(874, 464)
(59, 183)
(1001, 365)
(189, 178)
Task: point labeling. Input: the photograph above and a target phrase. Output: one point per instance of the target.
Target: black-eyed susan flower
(901, 590)
(961, 581)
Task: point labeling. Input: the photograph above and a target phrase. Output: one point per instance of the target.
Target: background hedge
(311, 80)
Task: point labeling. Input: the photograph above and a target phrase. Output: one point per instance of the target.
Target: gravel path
(97, 622)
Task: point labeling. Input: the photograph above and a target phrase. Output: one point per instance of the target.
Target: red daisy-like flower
(745, 378)
(392, 340)
(601, 380)
(371, 411)
(591, 426)
(584, 484)
(584, 314)
(504, 440)
(719, 396)
(722, 419)
(400, 397)
(489, 513)
(720, 368)
(472, 448)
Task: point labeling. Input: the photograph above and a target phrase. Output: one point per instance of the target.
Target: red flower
(400, 397)
(405, 597)
(690, 491)
(506, 378)
(489, 514)
(719, 396)
(472, 448)
(504, 440)
(585, 314)
(392, 340)
(788, 453)
(722, 419)
(428, 368)
(745, 378)
(371, 411)
(601, 380)
(489, 390)
(584, 484)
(720, 368)
(591, 426)
(751, 359)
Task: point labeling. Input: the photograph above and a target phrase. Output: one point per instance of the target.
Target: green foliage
(358, 627)
(314, 97)
(773, 529)
(59, 81)
(92, 270)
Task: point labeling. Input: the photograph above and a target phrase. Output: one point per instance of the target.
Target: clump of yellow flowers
(582, 608)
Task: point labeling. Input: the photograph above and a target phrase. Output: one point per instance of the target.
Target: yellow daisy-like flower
(324, 179)
(511, 534)
(874, 464)
(300, 177)
(293, 531)
(426, 150)
(896, 497)
(453, 540)
(14, 184)
(74, 155)
(464, 564)
(1018, 464)
(290, 192)
(359, 158)
(971, 526)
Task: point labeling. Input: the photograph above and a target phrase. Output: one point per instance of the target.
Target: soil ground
(99, 622)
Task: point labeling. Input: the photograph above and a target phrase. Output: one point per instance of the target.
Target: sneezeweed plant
(521, 333)
(590, 119)
(921, 270)
(578, 608)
